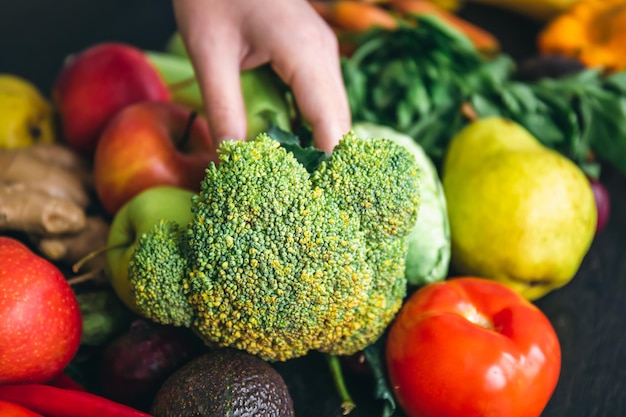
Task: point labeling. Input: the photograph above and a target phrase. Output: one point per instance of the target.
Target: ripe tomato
(472, 347)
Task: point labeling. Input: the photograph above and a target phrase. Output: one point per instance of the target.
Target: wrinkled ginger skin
(278, 262)
(25, 210)
(27, 167)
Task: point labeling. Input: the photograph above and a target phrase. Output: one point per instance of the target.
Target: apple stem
(182, 141)
(82, 261)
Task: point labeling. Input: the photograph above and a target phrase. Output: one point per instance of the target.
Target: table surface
(588, 313)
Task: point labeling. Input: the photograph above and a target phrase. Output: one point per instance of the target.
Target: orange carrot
(481, 38)
(354, 16)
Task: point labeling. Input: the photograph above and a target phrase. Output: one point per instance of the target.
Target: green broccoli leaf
(309, 156)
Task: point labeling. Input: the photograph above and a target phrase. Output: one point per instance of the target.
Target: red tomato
(472, 347)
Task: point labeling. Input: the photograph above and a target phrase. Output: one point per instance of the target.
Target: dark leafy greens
(418, 79)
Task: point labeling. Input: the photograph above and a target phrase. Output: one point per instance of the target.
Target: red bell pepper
(59, 402)
(8, 409)
(63, 380)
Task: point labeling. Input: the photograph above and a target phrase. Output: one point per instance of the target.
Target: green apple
(135, 218)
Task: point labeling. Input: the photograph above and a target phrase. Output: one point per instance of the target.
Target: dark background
(588, 314)
(36, 35)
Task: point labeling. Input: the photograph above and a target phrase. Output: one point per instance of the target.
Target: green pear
(135, 218)
(520, 213)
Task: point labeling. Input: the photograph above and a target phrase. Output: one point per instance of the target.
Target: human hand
(224, 37)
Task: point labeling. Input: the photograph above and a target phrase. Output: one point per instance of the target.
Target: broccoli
(279, 261)
(428, 257)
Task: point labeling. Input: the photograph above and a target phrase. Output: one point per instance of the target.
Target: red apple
(149, 144)
(96, 83)
(40, 320)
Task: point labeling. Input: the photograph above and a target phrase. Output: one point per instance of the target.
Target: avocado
(224, 383)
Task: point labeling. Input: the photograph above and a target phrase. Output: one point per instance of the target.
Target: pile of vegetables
(288, 252)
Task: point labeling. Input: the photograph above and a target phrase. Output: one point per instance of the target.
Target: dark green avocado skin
(224, 383)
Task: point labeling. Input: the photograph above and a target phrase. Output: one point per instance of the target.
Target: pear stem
(469, 112)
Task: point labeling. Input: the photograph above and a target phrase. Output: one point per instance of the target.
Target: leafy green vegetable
(415, 79)
(300, 146)
(418, 80)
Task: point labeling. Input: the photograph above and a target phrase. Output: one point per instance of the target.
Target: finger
(320, 94)
(216, 64)
(326, 109)
(219, 78)
(336, 121)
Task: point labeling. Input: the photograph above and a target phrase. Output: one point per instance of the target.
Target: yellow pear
(26, 116)
(520, 213)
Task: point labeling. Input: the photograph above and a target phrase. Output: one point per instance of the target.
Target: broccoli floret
(158, 268)
(374, 182)
(277, 261)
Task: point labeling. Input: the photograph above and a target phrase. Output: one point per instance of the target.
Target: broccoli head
(277, 260)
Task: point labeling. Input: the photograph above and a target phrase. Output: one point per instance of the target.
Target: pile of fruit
(146, 270)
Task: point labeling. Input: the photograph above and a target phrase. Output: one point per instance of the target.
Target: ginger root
(72, 247)
(64, 158)
(25, 210)
(82, 247)
(46, 192)
(44, 189)
(36, 168)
